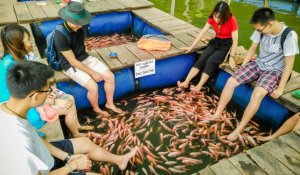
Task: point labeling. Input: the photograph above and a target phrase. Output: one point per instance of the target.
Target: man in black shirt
(76, 63)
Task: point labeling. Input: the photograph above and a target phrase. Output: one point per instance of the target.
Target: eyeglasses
(261, 30)
(48, 91)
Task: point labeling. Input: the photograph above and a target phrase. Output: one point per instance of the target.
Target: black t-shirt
(76, 45)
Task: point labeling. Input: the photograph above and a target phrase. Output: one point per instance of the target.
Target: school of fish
(174, 131)
(108, 41)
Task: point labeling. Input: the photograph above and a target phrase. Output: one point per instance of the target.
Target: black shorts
(67, 146)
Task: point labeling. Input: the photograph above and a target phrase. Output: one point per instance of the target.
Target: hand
(277, 93)
(63, 103)
(97, 77)
(81, 161)
(232, 63)
(186, 49)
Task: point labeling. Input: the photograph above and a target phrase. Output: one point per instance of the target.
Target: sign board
(144, 68)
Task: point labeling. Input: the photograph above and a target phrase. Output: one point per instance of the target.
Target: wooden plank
(95, 7)
(124, 55)
(146, 10)
(171, 23)
(292, 85)
(297, 132)
(292, 140)
(164, 54)
(60, 76)
(8, 1)
(181, 31)
(50, 10)
(188, 40)
(177, 27)
(161, 19)
(112, 63)
(7, 14)
(36, 11)
(112, 4)
(149, 17)
(139, 53)
(284, 154)
(96, 55)
(294, 74)
(245, 165)
(176, 43)
(267, 162)
(22, 12)
(224, 167)
(290, 102)
(205, 171)
(135, 3)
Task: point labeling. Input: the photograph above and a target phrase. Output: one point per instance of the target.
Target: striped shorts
(250, 72)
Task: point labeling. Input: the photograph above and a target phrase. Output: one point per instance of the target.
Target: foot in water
(181, 85)
(102, 113)
(265, 139)
(124, 159)
(113, 108)
(194, 88)
(233, 136)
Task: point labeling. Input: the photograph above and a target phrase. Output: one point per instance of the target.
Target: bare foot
(102, 113)
(80, 135)
(181, 85)
(86, 128)
(233, 136)
(216, 115)
(265, 139)
(113, 108)
(125, 158)
(194, 88)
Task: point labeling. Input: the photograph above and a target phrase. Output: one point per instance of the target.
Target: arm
(288, 67)
(250, 53)
(198, 38)
(55, 151)
(233, 49)
(69, 55)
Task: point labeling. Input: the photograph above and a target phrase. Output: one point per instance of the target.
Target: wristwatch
(67, 158)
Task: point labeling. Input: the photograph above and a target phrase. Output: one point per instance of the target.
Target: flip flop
(116, 110)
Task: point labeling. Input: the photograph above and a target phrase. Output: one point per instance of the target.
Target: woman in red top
(226, 31)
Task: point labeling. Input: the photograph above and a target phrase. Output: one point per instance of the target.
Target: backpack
(284, 34)
(53, 58)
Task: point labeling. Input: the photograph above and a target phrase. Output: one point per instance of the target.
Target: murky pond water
(173, 129)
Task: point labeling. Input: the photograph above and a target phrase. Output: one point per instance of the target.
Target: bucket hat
(75, 13)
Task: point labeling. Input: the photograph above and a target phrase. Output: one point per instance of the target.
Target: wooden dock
(277, 157)
(281, 156)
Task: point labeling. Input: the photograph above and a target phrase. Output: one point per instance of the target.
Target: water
(184, 121)
(197, 11)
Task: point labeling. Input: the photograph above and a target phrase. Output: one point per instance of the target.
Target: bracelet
(69, 168)
(67, 158)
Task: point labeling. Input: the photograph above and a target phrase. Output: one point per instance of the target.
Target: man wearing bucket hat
(76, 63)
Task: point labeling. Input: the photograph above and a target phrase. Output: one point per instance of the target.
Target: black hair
(12, 36)
(223, 9)
(262, 16)
(27, 76)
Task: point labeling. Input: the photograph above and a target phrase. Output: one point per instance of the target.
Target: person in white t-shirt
(22, 151)
(271, 69)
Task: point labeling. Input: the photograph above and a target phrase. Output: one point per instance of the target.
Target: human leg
(211, 65)
(197, 66)
(83, 145)
(287, 126)
(246, 73)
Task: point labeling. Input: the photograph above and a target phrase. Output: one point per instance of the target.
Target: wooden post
(173, 7)
(266, 3)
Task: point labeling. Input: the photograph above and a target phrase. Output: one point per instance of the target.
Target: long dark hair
(223, 9)
(12, 37)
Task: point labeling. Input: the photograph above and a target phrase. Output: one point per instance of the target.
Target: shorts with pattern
(265, 79)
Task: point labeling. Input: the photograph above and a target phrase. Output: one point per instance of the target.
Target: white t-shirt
(22, 150)
(271, 55)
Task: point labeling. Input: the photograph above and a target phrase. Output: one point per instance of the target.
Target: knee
(108, 76)
(84, 141)
(257, 95)
(92, 87)
(232, 83)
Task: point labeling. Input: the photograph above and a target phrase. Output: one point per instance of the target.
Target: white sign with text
(144, 68)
